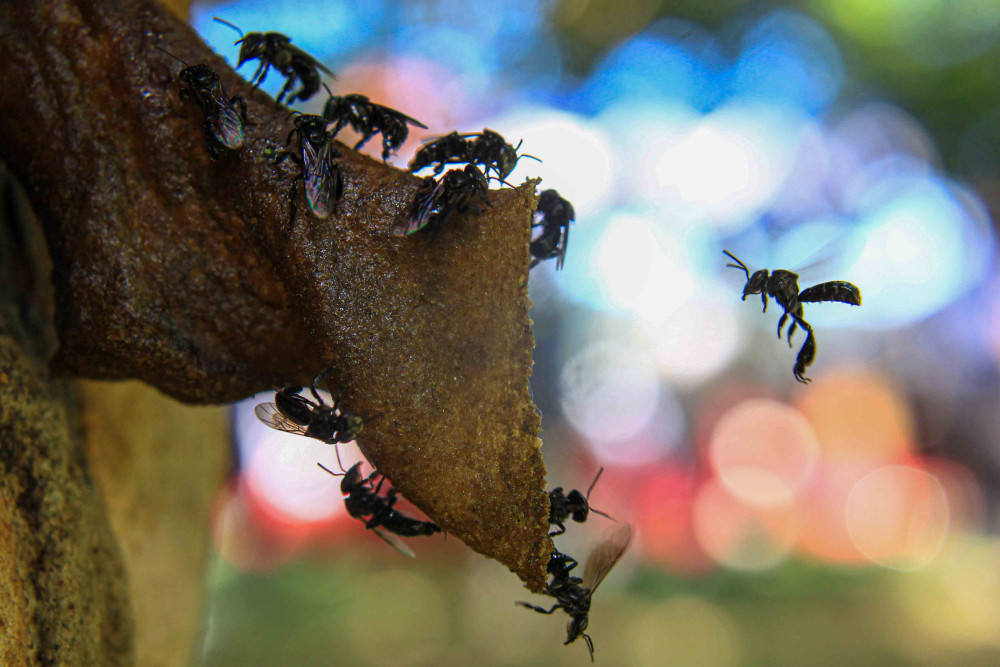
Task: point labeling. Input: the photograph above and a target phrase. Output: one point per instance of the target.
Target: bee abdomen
(834, 290)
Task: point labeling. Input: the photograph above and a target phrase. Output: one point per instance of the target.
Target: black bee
(783, 286)
(363, 501)
(437, 200)
(324, 184)
(486, 148)
(553, 215)
(274, 49)
(574, 505)
(225, 117)
(573, 594)
(368, 119)
(293, 413)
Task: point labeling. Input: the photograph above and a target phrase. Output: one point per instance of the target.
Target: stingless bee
(273, 49)
(368, 119)
(573, 594)
(363, 501)
(293, 413)
(573, 505)
(324, 183)
(553, 215)
(486, 148)
(783, 287)
(225, 117)
(437, 200)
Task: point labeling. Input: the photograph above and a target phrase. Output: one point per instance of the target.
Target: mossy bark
(186, 273)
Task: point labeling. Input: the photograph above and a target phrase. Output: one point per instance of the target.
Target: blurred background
(851, 520)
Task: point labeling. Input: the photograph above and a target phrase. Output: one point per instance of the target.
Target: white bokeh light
(642, 269)
(280, 468)
(577, 157)
(610, 391)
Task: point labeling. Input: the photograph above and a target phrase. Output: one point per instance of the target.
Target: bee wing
(394, 542)
(319, 178)
(227, 126)
(270, 415)
(311, 60)
(605, 555)
(563, 245)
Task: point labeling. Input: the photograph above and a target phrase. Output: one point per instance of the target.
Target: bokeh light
(898, 516)
(849, 140)
(764, 452)
(740, 536)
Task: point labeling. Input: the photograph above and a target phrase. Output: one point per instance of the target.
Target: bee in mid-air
(225, 117)
(573, 594)
(293, 413)
(276, 50)
(438, 199)
(368, 119)
(553, 215)
(324, 184)
(573, 505)
(783, 286)
(486, 148)
(364, 501)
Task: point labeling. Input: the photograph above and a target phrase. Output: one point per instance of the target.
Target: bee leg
(285, 89)
(364, 140)
(210, 142)
(590, 644)
(806, 355)
(763, 297)
(562, 529)
(258, 76)
(540, 610)
(781, 323)
(293, 202)
(240, 104)
(791, 330)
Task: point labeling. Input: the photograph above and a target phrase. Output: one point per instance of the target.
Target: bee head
(251, 46)
(755, 283)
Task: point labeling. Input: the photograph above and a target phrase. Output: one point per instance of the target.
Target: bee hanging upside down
(783, 286)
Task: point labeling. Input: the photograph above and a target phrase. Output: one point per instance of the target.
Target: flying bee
(368, 119)
(437, 200)
(783, 287)
(225, 117)
(573, 505)
(293, 413)
(553, 215)
(363, 501)
(573, 594)
(486, 148)
(324, 184)
(276, 50)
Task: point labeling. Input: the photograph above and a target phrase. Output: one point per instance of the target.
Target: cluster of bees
(485, 155)
(366, 500)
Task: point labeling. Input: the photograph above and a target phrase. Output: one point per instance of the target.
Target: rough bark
(184, 272)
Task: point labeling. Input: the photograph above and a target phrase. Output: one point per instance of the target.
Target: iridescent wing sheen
(394, 542)
(227, 126)
(605, 555)
(270, 415)
(319, 178)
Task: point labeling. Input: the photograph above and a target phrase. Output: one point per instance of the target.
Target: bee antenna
(335, 474)
(594, 483)
(172, 56)
(223, 22)
(738, 265)
(536, 159)
(328, 91)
